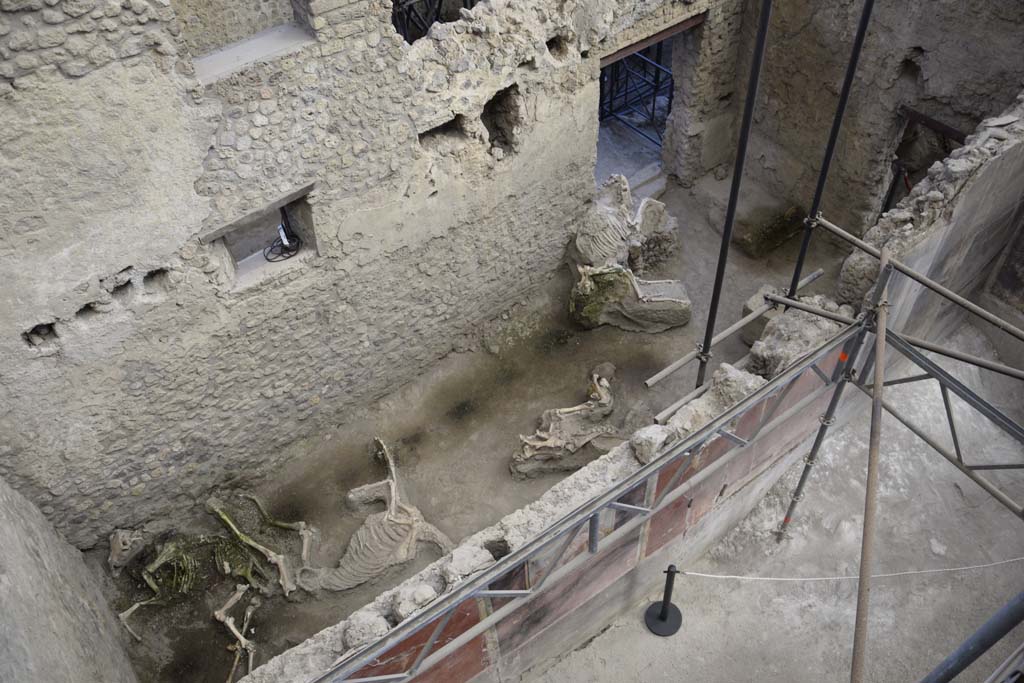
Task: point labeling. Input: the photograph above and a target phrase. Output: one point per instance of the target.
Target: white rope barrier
(854, 577)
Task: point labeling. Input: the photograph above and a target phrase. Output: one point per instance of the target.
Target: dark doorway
(635, 100)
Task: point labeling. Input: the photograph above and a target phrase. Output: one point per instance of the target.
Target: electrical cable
(279, 251)
(287, 243)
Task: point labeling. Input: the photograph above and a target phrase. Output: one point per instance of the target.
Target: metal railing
(413, 18)
(632, 85)
(561, 534)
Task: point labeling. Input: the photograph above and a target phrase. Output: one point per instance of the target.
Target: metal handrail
(572, 522)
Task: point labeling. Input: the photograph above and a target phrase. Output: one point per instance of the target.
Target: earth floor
(453, 431)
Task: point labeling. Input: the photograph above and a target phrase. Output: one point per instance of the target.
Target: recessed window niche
(263, 242)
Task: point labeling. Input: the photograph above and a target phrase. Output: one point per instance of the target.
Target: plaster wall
(143, 367)
(955, 61)
(952, 227)
(56, 626)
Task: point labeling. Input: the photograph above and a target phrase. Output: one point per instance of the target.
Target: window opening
(413, 18)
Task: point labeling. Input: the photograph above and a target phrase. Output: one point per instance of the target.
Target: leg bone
(221, 614)
(123, 616)
(276, 559)
(243, 642)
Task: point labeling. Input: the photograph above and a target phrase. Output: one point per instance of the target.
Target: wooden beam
(684, 25)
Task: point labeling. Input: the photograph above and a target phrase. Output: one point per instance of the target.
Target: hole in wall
(498, 549)
(122, 291)
(502, 117)
(87, 311)
(261, 239)
(584, 54)
(412, 19)
(41, 335)
(558, 47)
(157, 280)
(447, 134)
(918, 148)
(910, 72)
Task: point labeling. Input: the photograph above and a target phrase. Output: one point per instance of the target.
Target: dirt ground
(453, 431)
(929, 516)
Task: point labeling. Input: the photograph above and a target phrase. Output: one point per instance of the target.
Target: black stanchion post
(663, 618)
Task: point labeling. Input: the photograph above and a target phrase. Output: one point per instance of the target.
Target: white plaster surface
(267, 44)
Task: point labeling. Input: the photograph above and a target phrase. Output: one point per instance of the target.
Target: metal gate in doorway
(636, 91)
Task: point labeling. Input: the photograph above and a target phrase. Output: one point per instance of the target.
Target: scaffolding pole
(860, 628)
(926, 281)
(981, 481)
(847, 360)
(833, 137)
(991, 632)
(724, 334)
(704, 352)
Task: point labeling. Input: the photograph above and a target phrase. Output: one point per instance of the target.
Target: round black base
(663, 628)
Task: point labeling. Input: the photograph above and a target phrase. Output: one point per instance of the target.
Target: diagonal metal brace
(957, 387)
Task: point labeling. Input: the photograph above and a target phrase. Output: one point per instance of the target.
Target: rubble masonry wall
(207, 26)
(952, 227)
(142, 369)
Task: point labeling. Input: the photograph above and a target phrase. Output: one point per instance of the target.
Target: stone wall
(207, 26)
(146, 368)
(699, 132)
(78, 36)
(56, 626)
(955, 61)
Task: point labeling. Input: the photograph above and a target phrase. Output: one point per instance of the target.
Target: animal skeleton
(385, 539)
(564, 431)
(173, 573)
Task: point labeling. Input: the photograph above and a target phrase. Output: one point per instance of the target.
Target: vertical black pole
(663, 618)
(666, 599)
(830, 148)
(847, 360)
(658, 56)
(704, 352)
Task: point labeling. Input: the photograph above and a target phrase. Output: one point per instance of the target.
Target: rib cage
(382, 541)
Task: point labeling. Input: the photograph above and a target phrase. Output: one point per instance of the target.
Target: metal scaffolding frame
(632, 85)
(561, 534)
